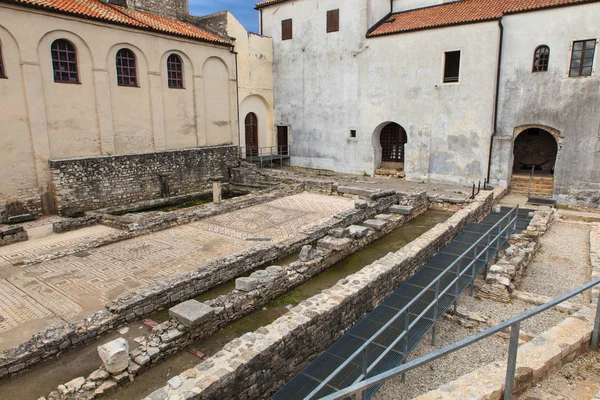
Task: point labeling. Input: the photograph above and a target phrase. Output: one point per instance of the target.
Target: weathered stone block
(376, 224)
(357, 231)
(385, 217)
(307, 253)
(191, 313)
(115, 355)
(332, 243)
(360, 204)
(246, 284)
(405, 210)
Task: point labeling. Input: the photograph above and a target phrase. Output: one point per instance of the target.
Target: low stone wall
(257, 364)
(71, 224)
(97, 182)
(187, 285)
(10, 235)
(504, 276)
(261, 287)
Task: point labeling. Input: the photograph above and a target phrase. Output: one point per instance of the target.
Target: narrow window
(582, 57)
(286, 29)
(2, 71)
(352, 133)
(451, 66)
(64, 61)
(126, 70)
(333, 21)
(541, 57)
(175, 71)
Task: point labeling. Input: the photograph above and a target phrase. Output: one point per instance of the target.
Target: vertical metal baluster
(596, 332)
(474, 268)
(487, 256)
(364, 362)
(435, 311)
(512, 361)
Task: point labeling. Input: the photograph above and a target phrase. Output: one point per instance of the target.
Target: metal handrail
(407, 307)
(356, 390)
(280, 151)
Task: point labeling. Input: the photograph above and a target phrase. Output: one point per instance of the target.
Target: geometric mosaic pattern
(78, 285)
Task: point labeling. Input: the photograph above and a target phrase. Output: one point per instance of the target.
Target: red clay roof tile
(95, 9)
(460, 12)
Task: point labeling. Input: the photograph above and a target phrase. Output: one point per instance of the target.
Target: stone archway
(535, 152)
(389, 140)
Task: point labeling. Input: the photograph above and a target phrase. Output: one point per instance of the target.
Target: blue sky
(242, 9)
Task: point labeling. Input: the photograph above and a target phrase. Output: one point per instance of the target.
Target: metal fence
(455, 277)
(358, 390)
(268, 154)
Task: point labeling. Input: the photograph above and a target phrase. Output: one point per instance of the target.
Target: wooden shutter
(333, 20)
(286, 29)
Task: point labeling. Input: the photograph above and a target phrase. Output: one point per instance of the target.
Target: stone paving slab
(78, 285)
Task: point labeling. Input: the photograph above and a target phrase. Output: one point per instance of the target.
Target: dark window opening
(126, 69)
(2, 71)
(175, 72)
(392, 140)
(541, 58)
(64, 62)
(352, 133)
(451, 66)
(582, 58)
(286, 29)
(333, 21)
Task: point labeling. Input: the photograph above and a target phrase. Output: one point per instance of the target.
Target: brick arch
(554, 132)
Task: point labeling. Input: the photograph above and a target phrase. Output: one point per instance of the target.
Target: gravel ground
(562, 263)
(579, 379)
(444, 369)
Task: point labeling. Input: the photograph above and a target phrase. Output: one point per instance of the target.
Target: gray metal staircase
(384, 337)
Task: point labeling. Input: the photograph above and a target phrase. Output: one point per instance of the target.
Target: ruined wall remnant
(96, 182)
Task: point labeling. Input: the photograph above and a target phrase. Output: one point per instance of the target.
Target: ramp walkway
(383, 338)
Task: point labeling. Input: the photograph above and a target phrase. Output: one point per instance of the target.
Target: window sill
(180, 88)
(129, 86)
(68, 83)
(352, 139)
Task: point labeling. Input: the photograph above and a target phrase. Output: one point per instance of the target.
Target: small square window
(352, 133)
(451, 66)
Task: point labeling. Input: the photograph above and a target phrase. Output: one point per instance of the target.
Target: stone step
(406, 210)
(375, 224)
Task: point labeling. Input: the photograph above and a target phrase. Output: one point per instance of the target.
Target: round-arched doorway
(534, 157)
(392, 139)
(251, 136)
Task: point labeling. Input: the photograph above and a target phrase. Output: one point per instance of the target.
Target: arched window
(64, 61)
(541, 58)
(175, 71)
(2, 71)
(126, 69)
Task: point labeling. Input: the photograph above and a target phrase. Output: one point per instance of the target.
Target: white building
(447, 91)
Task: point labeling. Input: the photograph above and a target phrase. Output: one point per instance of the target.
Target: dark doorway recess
(282, 141)
(392, 139)
(251, 135)
(535, 148)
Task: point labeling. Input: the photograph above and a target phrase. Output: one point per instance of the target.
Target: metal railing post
(473, 273)
(596, 330)
(435, 311)
(530, 180)
(511, 368)
(364, 362)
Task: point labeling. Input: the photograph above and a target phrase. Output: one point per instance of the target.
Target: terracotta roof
(95, 9)
(460, 12)
(268, 3)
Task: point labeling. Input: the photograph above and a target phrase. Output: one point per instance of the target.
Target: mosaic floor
(75, 286)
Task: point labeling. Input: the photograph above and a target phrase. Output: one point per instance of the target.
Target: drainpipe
(261, 21)
(237, 95)
(497, 98)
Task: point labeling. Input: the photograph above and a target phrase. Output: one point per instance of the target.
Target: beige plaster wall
(255, 80)
(44, 120)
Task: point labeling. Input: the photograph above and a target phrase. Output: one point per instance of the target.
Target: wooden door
(251, 135)
(282, 140)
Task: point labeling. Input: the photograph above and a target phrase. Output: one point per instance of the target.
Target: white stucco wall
(43, 120)
(404, 5)
(552, 99)
(327, 84)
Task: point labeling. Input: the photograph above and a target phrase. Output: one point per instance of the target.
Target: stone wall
(57, 340)
(10, 235)
(257, 364)
(254, 292)
(165, 8)
(97, 182)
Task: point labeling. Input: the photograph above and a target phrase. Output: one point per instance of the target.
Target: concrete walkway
(68, 289)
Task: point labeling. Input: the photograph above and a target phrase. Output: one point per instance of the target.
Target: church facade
(444, 91)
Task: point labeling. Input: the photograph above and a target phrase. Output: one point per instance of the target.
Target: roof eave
(371, 35)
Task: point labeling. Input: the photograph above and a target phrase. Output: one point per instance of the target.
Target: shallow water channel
(41, 380)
